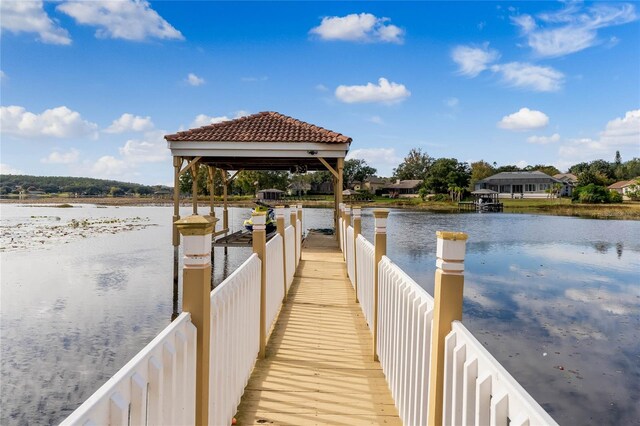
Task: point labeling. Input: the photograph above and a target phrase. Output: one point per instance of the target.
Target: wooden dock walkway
(319, 368)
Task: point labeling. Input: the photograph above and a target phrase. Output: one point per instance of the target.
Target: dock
(318, 367)
(312, 331)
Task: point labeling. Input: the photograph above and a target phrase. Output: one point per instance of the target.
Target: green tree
(356, 170)
(549, 170)
(251, 181)
(114, 191)
(415, 166)
(446, 172)
(186, 181)
(480, 170)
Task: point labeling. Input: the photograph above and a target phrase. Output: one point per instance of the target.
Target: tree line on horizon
(14, 184)
(438, 175)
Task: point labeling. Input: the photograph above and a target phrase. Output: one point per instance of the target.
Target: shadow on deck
(318, 368)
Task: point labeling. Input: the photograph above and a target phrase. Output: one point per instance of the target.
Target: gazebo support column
(177, 164)
(194, 187)
(338, 189)
(212, 189)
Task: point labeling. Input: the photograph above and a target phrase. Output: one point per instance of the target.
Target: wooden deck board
(319, 367)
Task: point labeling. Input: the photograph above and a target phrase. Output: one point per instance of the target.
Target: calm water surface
(556, 300)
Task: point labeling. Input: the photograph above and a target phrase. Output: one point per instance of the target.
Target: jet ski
(271, 224)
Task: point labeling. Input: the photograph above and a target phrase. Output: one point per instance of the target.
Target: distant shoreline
(562, 207)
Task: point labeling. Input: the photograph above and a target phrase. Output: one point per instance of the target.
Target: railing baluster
(459, 358)
(469, 391)
(118, 410)
(483, 399)
(138, 400)
(500, 409)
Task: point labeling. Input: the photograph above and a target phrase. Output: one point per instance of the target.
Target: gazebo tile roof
(266, 126)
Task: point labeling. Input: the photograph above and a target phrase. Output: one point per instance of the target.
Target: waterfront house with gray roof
(519, 184)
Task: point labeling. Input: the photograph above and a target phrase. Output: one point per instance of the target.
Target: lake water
(555, 299)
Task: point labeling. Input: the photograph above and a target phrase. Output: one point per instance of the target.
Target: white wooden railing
(290, 240)
(275, 278)
(349, 255)
(365, 268)
(299, 240)
(235, 328)
(478, 390)
(157, 386)
(405, 313)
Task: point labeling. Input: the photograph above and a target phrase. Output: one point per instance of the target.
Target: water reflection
(555, 300)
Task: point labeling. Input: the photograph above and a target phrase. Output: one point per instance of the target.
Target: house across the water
(403, 188)
(569, 182)
(519, 184)
(624, 187)
(270, 194)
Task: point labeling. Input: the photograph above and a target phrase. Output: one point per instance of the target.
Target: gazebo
(262, 141)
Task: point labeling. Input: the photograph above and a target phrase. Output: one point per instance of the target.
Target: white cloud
(382, 159)
(57, 157)
(473, 60)
(543, 140)
(205, 120)
(30, 17)
(571, 29)
(522, 164)
(384, 92)
(125, 19)
(363, 27)
(60, 122)
(6, 169)
(376, 119)
(528, 76)
(130, 123)
(151, 149)
(523, 120)
(451, 102)
(623, 131)
(619, 134)
(109, 167)
(194, 80)
(2, 75)
(321, 87)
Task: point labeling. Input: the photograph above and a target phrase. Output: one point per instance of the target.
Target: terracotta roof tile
(261, 127)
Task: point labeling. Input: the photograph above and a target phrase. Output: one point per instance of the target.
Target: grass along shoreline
(557, 207)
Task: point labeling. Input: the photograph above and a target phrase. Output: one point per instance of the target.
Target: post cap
(380, 213)
(279, 211)
(451, 236)
(196, 225)
(259, 218)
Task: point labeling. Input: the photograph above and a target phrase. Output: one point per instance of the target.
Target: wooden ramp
(319, 367)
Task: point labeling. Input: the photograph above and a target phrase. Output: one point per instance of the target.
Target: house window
(505, 188)
(529, 187)
(544, 186)
(517, 189)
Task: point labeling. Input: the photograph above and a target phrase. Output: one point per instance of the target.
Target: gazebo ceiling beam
(189, 165)
(331, 169)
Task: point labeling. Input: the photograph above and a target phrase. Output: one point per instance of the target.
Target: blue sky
(90, 88)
